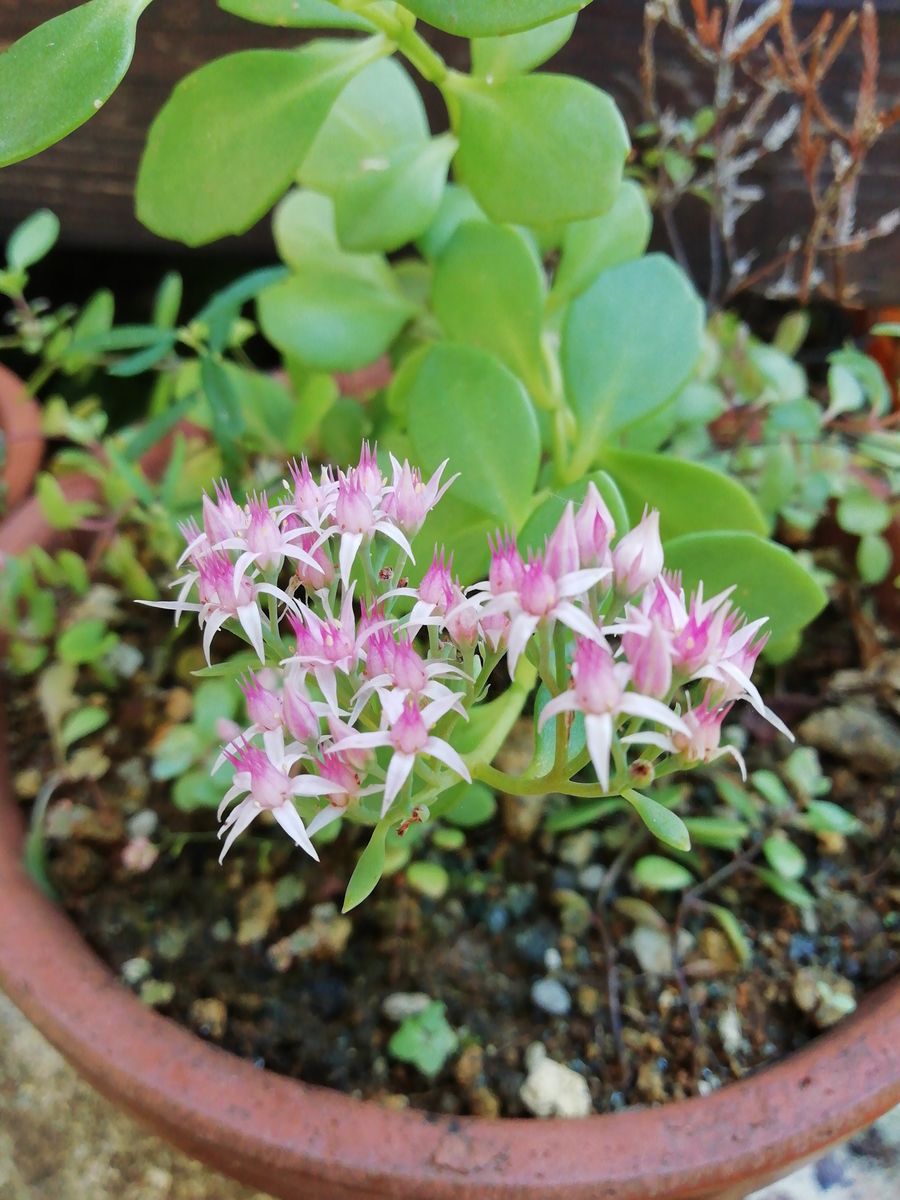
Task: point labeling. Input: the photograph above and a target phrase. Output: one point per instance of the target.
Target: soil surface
(535, 940)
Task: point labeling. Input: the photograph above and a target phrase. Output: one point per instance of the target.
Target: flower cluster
(364, 678)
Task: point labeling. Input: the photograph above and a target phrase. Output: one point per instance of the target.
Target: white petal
(564, 702)
(598, 735)
(241, 817)
(211, 627)
(576, 583)
(350, 544)
(323, 818)
(395, 535)
(232, 794)
(659, 740)
(251, 623)
(520, 632)
(397, 774)
(289, 820)
(363, 741)
(578, 620)
(443, 751)
(651, 710)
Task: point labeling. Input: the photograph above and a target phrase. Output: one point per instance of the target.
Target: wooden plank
(88, 179)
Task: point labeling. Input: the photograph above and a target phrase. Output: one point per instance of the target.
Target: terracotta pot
(308, 1143)
(23, 442)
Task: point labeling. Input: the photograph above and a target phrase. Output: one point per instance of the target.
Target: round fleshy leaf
(629, 342)
(539, 149)
(486, 18)
(57, 76)
(516, 53)
(296, 14)
(230, 138)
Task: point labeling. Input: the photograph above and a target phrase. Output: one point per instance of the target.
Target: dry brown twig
(766, 97)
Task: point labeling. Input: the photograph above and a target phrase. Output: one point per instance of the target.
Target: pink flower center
(409, 732)
(537, 589)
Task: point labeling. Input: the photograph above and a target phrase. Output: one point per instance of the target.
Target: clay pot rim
(277, 1133)
(20, 420)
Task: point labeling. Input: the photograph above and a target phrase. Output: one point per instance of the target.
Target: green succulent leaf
(472, 804)
(378, 113)
(784, 857)
(488, 291)
(82, 723)
(539, 149)
(385, 207)
(691, 497)
(487, 18)
(456, 207)
(232, 135)
(659, 874)
(465, 406)
(296, 14)
(769, 580)
(369, 867)
(664, 824)
(516, 53)
(787, 889)
(628, 344)
(33, 239)
(59, 75)
(339, 311)
(731, 927)
(426, 1040)
(593, 246)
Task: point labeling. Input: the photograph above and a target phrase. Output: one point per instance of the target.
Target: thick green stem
(411, 45)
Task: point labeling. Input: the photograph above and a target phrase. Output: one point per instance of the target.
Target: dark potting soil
(255, 955)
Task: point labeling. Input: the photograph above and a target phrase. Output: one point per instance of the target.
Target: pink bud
(561, 555)
(358, 760)
(537, 588)
(367, 474)
(269, 786)
(436, 587)
(506, 566)
(299, 718)
(307, 493)
(353, 509)
(651, 663)
(705, 725)
(333, 768)
(380, 653)
(317, 577)
(495, 628)
(263, 535)
(408, 670)
(263, 706)
(594, 528)
(462, 620)
(638, 558)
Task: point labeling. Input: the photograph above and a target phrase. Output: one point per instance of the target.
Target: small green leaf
(176, 753)
(590, 247)
(732, 930)
(770, 787)
(59, 75)
(369, 867)
(426, 1040)
(784, 857)
(214, 700)
(539, 149)
(87, 641)
(659, 874)
(488, 292)
(578, 815)
(74, 571)
(720, 832)
(465, 406)
(295, 14)
(218, 156)
(199, 789)
(428, 879)
(860, 512)
(874, 557)
(770, 581)
(823, 816)
(517, 53)
(222, 397)
(628, 344)
(487, 18)
(476, 805)
(448, 839)
(80, 723)
(787, 889)
(664, 824)
(33, 239)
(55, 505)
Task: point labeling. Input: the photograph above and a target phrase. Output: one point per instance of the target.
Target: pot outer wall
(308, 1143)
(23, 441)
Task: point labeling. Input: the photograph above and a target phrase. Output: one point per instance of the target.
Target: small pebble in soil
(143, 824)
(401, 1005)
(209, 1017)
(552, 1089)
(591, 878)
(533, 943)
(257, 909)
(156, 992)
(133, 970)
(551, 997)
